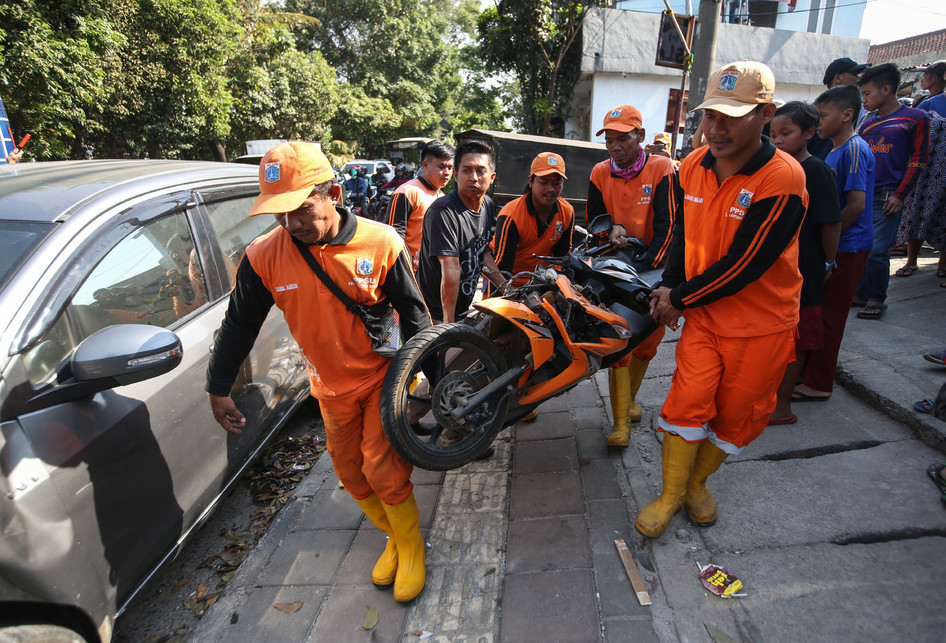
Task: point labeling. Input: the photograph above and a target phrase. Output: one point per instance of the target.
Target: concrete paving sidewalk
(831, 523)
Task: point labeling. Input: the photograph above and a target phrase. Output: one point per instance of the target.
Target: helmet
(353, 170)
(400, 168)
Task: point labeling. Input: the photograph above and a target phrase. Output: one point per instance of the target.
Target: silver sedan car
(114, 276)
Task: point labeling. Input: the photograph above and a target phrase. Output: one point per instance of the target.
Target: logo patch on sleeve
(364, 266)
(271, 172)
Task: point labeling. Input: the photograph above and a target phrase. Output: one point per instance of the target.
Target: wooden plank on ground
(631, 568)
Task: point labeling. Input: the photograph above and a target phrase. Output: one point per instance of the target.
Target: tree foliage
(537, 41)
(194, 78)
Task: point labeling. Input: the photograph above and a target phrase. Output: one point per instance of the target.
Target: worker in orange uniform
(640, 192)
(368, 262)
(540, 222)
(733, 274)
(411, 199)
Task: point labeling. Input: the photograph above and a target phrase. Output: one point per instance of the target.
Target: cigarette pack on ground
(720, 581)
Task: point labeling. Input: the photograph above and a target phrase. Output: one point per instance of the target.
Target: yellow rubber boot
(619, 387)
(411, 573)
(385, 569)
(636, 369)
(678, 457)
(700, 504)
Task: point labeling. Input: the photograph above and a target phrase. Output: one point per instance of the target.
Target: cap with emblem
(737, 88)
(548, 163)
(937, 69)
(287, 174)
(663, 137)
(841, 66)
(623, 118)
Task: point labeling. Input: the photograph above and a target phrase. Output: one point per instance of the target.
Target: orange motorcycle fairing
(540, 338)
(606, 345)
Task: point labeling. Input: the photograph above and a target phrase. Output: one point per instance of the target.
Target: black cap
(937, 69)
(841, 66)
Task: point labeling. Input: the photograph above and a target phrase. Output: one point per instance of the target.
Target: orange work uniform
(520, 234)
(368, 261)
(645, 205)
(733, 270)
(406, 212)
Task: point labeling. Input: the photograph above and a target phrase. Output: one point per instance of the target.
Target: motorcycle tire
(457, 361)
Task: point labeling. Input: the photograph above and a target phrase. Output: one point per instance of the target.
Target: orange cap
(287, 174)
(548, 163)
(737, 88)
(623, 118)
(663, 137)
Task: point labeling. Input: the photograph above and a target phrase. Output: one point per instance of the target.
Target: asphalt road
(166, 609)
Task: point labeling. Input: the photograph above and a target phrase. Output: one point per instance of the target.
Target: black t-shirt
(823, 207)
(453, 230)
(819, 147)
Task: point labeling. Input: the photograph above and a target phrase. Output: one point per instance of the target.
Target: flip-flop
(872, 312)
(924, 406)
(907, 271)
(789, 420)
(798, 396)
(933, 472)
(936, 358)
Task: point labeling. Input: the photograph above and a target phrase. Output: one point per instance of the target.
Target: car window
(153, 276)
(17, 240)
(235, 230)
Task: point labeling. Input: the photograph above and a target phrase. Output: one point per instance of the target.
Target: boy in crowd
(853, 165)
(733, 273)
(899, 138)
(793, 126)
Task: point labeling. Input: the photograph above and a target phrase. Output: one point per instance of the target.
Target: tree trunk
(218, 151)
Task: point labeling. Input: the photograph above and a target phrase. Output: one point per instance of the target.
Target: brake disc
(450, 394)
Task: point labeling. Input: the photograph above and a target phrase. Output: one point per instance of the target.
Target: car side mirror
(114, 356)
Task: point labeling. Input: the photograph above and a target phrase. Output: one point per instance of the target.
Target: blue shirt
(853, 165)
(935, 104)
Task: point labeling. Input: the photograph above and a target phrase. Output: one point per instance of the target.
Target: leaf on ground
(717, 634)
(288, 608)
(490, 571)
(178, 585)
(201, 591)
(371, 618)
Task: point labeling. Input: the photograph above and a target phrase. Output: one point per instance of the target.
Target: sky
(886, 20)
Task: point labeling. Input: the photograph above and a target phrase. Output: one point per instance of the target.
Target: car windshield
(17, 241)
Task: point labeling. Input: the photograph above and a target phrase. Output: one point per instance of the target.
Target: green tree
(538, 41)
(398, 53)
(279, 92)
(55, 58)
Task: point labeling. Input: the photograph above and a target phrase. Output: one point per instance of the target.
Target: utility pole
(704, 61)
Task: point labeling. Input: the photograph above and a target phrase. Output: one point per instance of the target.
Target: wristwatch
(830, 266)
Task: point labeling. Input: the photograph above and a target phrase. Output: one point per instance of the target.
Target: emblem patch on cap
(616, 113)
(647, 189)
(271, 172)
(744, 200)
(364, 266)
(728, 82)
(552, 160)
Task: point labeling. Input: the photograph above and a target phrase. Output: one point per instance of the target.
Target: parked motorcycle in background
(472, 378)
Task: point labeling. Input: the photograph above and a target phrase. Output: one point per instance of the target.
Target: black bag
(380, 319)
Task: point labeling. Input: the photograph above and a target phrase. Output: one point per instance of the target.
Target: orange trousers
(364, 460)
(646, 350)
(724, 387)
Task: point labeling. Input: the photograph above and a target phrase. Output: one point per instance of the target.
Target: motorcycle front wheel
(432, 376)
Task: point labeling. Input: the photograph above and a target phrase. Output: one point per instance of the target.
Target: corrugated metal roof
(913, 46)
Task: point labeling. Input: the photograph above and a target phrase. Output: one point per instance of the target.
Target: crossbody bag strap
(349, 303)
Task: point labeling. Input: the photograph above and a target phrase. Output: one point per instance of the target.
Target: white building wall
(618, 64)
(649, 94)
